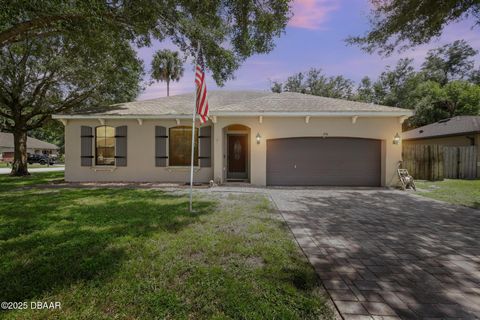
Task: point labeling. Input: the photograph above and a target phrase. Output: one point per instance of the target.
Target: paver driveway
(388, 253)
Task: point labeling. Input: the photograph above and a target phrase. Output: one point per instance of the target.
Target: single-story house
(259, 137)
(34, 146)
(458, 131)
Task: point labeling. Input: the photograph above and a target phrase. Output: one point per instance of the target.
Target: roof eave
(318, 113)
(406, 113)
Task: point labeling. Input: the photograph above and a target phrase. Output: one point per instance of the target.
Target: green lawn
(10, 183)
(139, 254)
(461, 192)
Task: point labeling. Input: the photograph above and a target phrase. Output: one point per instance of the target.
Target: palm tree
(167, 66)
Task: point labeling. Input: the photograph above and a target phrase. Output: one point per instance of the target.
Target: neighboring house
(457, 131)
(33, 146)
(258, 137)
(453, 132)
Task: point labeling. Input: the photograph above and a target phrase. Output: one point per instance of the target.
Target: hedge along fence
(436, 162)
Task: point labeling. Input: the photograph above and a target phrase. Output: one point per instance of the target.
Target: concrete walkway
(46, 169)
(387, 254)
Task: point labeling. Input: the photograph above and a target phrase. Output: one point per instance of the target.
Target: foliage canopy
(229, 31)
(405, 23)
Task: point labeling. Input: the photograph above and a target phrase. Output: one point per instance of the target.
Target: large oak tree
(41, 77)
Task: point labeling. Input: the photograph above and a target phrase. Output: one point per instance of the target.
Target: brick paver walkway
(386, 254)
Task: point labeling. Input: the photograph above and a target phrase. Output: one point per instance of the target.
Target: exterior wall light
(396, 139)
(258, 138)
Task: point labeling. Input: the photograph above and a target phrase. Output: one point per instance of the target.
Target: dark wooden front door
(237, 156)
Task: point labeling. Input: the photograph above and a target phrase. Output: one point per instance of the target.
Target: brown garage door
(323, 162)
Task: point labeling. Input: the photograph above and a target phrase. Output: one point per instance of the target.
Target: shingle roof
(6, 141)
(298, 102)
(225, 102)
(452, 126)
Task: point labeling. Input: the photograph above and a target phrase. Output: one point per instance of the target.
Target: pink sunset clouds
(311, 14)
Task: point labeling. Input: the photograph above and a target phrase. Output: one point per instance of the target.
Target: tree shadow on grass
(8, 183)
(52, 239)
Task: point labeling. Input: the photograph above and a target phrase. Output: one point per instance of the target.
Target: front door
(237, 156)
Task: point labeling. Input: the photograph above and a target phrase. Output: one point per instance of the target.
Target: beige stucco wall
(282, 127)
(141, 153)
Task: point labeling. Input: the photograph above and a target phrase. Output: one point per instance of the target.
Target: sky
(314, 38)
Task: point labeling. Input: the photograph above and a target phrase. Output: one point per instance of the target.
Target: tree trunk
(19, 167)
(168, 88)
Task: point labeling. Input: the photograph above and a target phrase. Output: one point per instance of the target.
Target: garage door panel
(324, 161)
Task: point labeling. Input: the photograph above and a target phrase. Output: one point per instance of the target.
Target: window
(105, 146)
(180, 146)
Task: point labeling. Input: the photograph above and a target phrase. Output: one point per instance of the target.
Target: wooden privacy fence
(460, 162)
(436, 162)
(424, 162)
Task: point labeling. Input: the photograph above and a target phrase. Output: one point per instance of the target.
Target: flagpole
(193, 134)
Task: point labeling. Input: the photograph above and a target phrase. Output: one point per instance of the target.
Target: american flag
(202, 102)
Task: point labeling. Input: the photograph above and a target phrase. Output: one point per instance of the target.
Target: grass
(30, 166)
(460, 192)
(9, 183)
(139, 254)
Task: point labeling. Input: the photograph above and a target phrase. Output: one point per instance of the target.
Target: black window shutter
(205, 146)
(161, 146)
(86, 145)
(121, 146)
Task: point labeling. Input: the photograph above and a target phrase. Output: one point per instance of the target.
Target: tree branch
(33, 28)
(18, 31)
